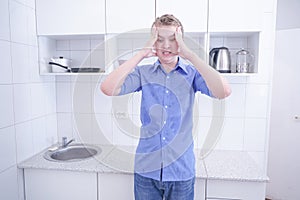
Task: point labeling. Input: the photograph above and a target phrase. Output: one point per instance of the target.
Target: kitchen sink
(75, 152)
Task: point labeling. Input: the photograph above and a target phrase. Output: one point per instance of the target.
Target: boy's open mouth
(166, 52)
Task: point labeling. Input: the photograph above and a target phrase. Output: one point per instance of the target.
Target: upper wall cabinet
(191, 13)
(130, 15)
(68, 17)
(235, 15)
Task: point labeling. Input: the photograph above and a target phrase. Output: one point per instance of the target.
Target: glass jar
(244, 61)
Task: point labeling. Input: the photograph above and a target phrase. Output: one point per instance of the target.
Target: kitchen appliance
(220, 59)
(244, 61)
(62, 64)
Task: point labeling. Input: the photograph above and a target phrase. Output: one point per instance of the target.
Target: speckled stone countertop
(218, 165)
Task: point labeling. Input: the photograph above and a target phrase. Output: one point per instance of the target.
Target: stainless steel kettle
(220, 59)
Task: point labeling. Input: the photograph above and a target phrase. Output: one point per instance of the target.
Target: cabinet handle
(297, 117)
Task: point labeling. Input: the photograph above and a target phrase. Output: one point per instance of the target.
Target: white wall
(288, 14)
(284, 162)
(28, 101)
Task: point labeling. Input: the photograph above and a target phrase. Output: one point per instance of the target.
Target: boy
(164, 161)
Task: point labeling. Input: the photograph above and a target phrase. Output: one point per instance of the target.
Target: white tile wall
(257, 100)
(79, 45)
(255, 134)
(232, 135)
(24, 137)
(28, 101)
(6, 106)
(4, 20)
(37, 100)
(102, 129)
(20, 63)
(49, 93)
(7, 142)
(51, 129)
(82, 97)
(64, 125)
(234, 104)
(82, 126)
(18, 22)
(5, 69)
(122, 131)
(33, 64)
(63, 100)
(22, 102)
(39, 134)
(101, 102)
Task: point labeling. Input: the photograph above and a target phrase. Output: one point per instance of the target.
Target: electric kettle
(220, 59)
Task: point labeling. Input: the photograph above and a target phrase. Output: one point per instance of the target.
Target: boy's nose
(166, 44)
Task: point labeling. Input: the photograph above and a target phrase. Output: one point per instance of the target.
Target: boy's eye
(160, 40)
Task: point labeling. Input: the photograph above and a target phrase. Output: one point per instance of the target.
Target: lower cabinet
(235, 190)
(59, 185)
(115, 186)
(199, 189)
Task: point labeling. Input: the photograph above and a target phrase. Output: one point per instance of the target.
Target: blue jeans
(150, 189)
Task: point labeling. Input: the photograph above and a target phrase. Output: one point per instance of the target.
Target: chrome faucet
(65, 142)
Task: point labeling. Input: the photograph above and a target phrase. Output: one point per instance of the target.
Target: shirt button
(165, 122)
(168, 76)
(167, 91)
(166, 106)
(164, 138)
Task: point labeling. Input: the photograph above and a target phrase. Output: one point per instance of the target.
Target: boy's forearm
(111, 86)
(215, 82)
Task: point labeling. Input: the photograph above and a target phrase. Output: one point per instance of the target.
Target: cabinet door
(192, 14)
(235, 190)
(66, 17)
(199, 189)
(59, 185)
(124, 16)
(115, 186)
(235, 15)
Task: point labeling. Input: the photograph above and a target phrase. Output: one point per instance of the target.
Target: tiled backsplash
(82, 52)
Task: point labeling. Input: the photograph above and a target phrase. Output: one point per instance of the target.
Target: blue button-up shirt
(165, 149)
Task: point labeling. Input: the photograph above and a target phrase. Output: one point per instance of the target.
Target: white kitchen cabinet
(220, 189)
(124, 16)
(115, 186)
(199, 189)
(192, 14)
(234, 15)
(59, 185)
(66, 17)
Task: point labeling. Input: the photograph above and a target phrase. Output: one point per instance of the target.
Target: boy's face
(166, 44)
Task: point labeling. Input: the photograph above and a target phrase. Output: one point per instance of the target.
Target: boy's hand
(183, 50)
(149, 50)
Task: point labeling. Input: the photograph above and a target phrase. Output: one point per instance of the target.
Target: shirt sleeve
(200, 85)
(132, 82)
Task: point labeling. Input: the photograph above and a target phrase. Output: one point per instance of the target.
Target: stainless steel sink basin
(70, 153)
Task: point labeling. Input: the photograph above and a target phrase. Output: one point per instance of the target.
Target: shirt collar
(179, 65)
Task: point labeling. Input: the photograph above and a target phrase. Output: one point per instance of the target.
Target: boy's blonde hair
(167, 20)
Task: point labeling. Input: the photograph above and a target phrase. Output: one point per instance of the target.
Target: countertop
(217, 165)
